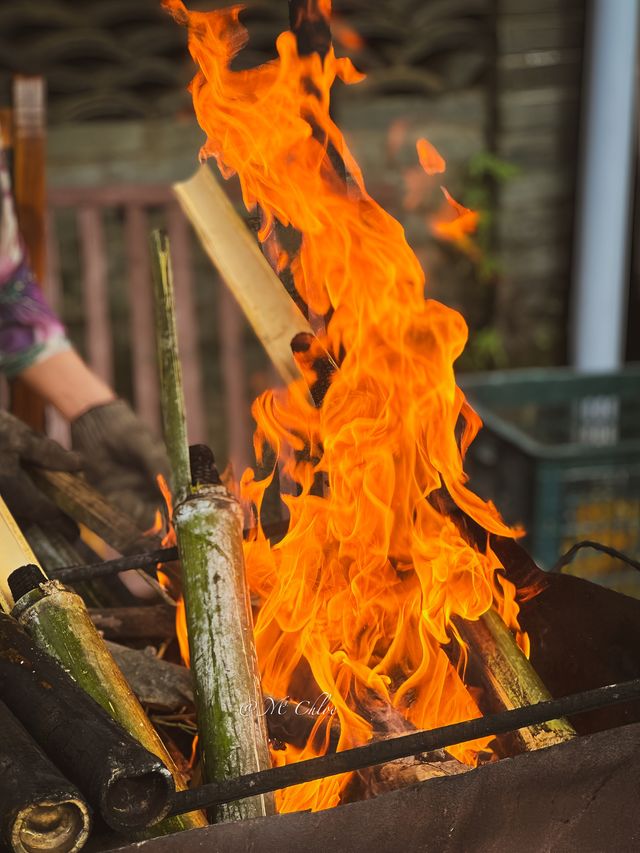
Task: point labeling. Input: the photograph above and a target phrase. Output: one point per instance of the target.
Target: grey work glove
(20, 446)
(121, 458)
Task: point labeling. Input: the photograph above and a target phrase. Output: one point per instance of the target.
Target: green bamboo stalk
(208, 521)
(59, 622)
(172, 392)
(510, 677)
(233, 736)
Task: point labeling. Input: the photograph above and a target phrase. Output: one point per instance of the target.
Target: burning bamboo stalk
(208, 523)
(245, 270)
(59, 624)
(510, 677)
(41, 810)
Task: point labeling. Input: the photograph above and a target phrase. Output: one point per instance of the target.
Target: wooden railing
(137, 204)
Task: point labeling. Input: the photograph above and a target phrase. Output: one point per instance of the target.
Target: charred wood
(126, 783)
(41, 810)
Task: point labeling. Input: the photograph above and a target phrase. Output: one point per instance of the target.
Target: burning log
(54, 551)
(208, 523)
(59, 624)
(387, 722)
(74, 496)
(126, 783)
(41, 810)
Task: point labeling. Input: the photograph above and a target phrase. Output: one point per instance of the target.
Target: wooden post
(208, 523)
(29, 118)
(143, 350)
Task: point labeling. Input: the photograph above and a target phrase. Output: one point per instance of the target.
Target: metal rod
(74, 574)
(147, 560)
(383, 751)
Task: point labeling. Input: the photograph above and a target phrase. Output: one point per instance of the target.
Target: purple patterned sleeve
(30, 331)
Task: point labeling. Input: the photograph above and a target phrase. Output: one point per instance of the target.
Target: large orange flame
(359, 595)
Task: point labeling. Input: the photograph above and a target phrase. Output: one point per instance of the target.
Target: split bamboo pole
(236, 255)
(208, 523)
(15, 551)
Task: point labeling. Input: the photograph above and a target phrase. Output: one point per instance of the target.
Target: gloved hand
(20, 444)
(121, 458)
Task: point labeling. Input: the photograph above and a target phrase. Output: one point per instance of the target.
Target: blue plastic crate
(560, 454)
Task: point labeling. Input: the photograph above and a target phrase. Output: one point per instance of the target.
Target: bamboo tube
(41, 810)
(510, 678)
(15, 551)
(60, 624)
(227, 685)
(233, 251)
(208, 523)
(130, 786)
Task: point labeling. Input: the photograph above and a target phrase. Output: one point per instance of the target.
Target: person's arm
(120, 456)
(65, 381)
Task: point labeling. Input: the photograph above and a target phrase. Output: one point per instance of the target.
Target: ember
(360, 594)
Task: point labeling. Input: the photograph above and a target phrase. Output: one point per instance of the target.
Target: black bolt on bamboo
(128, 785)
(204, 471)
(41, 810)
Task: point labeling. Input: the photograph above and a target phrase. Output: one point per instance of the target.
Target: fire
(455, 222)
(430, 158)
(169, 540)
(359, 596)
